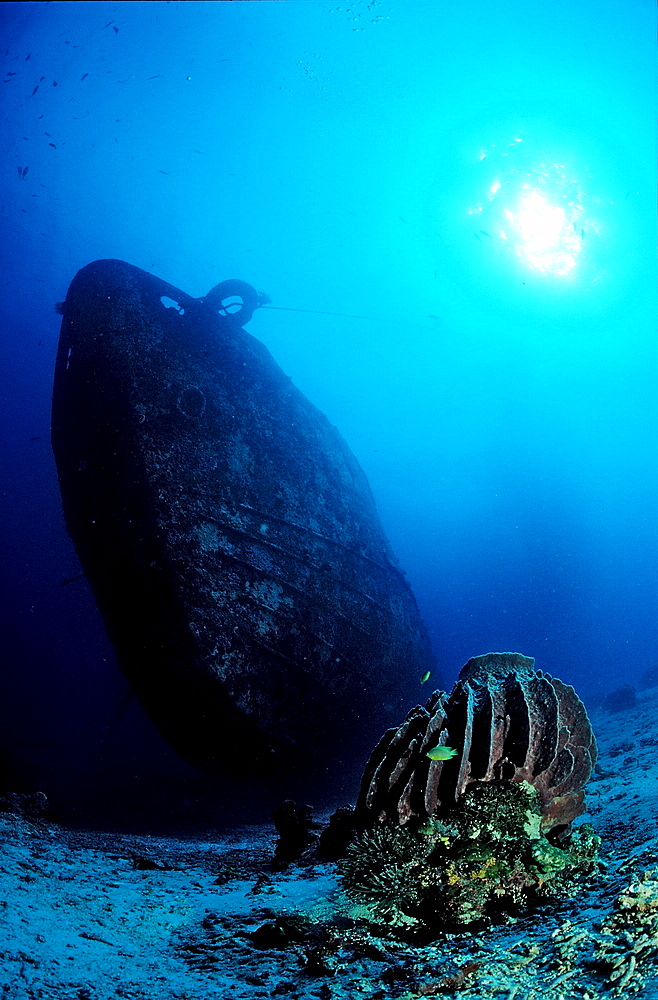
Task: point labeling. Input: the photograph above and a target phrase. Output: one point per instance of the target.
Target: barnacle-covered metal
(507, 721)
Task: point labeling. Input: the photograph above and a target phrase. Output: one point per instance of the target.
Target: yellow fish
(441, 753)
(425, 677)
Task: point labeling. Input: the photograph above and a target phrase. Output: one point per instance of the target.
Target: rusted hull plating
(229, 535)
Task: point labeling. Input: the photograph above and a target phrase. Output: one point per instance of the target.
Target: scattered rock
(27, 806)
(281, 932)
(336, 837)
(620, 700)
(294, 824)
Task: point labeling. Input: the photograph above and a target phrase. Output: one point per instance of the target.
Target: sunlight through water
(534, 208)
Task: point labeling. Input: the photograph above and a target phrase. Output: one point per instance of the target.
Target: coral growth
(507, 722)
(488, 855)
(629, 936)
(626, 946)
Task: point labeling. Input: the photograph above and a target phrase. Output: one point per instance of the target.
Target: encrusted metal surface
(229, 535)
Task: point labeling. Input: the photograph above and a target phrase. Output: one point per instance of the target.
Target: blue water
(452, 207)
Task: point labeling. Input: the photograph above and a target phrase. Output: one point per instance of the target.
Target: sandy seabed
(97, 916)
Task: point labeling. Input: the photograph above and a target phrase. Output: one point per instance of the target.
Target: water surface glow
(535, 208)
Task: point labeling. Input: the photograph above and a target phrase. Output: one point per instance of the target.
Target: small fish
(24, 174)
(156, 77)
(115, 29)
(485, 233)
(164, 172)
(84, 77)
(426, 676)
(54, 83)
(9, 73)
(34, 91)
(53, 145)
(441, 753)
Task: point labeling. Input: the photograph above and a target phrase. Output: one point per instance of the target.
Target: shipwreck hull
(228, 534)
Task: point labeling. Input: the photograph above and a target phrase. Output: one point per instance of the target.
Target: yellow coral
(453, 875)
(484, 870)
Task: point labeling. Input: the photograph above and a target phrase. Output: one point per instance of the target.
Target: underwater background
(452, 207)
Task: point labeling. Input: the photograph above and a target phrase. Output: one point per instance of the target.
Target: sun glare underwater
(537, 214)
(548, 223)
